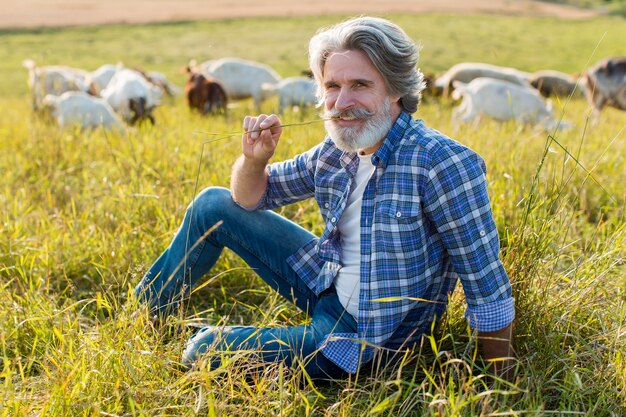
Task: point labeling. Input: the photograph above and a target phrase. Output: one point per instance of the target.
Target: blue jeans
(264, 240)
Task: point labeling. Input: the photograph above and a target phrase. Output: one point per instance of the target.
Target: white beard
(351, 139)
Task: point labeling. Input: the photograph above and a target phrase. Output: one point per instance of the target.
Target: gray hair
(390, 49)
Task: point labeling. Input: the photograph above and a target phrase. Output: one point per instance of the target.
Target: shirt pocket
(398, 233)
(400, 211)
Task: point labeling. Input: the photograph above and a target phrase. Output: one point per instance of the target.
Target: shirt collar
(395, 135)
(386, 149)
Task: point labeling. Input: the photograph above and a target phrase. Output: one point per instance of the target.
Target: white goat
(132, 96)
(55, 79)
(502, 100)
(240, 78)
(467, 71)
(160, 80)
(79, 108)
(292, 91)
(100, 78)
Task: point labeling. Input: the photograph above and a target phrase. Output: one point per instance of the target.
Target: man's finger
(246, 123)
(256, 128)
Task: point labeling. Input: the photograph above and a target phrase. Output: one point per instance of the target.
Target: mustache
(356, 113)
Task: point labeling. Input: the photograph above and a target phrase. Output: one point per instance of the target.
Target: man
(405, 209)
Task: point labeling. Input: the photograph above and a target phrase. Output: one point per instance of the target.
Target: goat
(553, 83)
(204, 94)
(292, 91)
(100, 78)
(467, 71)
(605, 85)
(132, 96)
(55, 79)
(77, 107)
(240, 78)
(160, 80)
(502, 101)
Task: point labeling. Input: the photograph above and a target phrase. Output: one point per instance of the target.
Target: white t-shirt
(348, 279)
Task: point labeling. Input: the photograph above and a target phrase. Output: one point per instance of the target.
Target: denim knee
(211, 205)
(212, 199)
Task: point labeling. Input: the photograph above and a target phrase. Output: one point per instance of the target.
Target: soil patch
(54, 13)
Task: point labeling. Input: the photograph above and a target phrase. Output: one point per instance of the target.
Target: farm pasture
(84, 213)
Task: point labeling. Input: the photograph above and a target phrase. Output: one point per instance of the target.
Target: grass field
(84, 214)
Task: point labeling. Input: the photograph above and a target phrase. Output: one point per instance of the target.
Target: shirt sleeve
(290, 181)
(457, 202)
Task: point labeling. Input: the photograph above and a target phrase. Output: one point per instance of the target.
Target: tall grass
(85, 213)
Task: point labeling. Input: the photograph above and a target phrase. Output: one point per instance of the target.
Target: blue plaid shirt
(425, 221)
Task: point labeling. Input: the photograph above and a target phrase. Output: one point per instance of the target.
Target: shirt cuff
(492, 316)
(346, 351)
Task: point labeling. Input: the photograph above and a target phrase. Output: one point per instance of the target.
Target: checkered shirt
(425, 222)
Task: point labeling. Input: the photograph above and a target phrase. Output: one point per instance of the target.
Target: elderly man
(405, 208)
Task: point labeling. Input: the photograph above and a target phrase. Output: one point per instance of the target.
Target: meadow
(83, 214)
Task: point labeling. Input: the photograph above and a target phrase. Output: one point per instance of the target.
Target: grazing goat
(467, 71)
(204, 94)
(79, 108)
(160, 80)
(54, 80)
(502, 101)
(240, 78)
(292, 91)
(605, 85)
(132, 96)
(100, 78)
(553, 83)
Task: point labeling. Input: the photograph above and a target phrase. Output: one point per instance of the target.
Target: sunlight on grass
(84, 214)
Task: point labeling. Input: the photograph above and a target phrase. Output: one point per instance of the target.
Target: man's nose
(345, 99)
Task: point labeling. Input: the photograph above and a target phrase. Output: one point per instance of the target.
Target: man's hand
(497, 349)
(249, 179)
(261, 137)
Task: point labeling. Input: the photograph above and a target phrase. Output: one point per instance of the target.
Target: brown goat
(204, 94)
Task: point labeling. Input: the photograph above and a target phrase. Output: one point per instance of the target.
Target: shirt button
(333, 220)
(398, 214)
(482, 233)
(326, 205)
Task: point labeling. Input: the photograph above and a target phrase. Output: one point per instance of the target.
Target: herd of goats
(114, 96)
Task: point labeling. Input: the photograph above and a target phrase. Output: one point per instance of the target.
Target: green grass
(84, 214)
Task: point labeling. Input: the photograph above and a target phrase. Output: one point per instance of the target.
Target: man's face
(356, 99)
